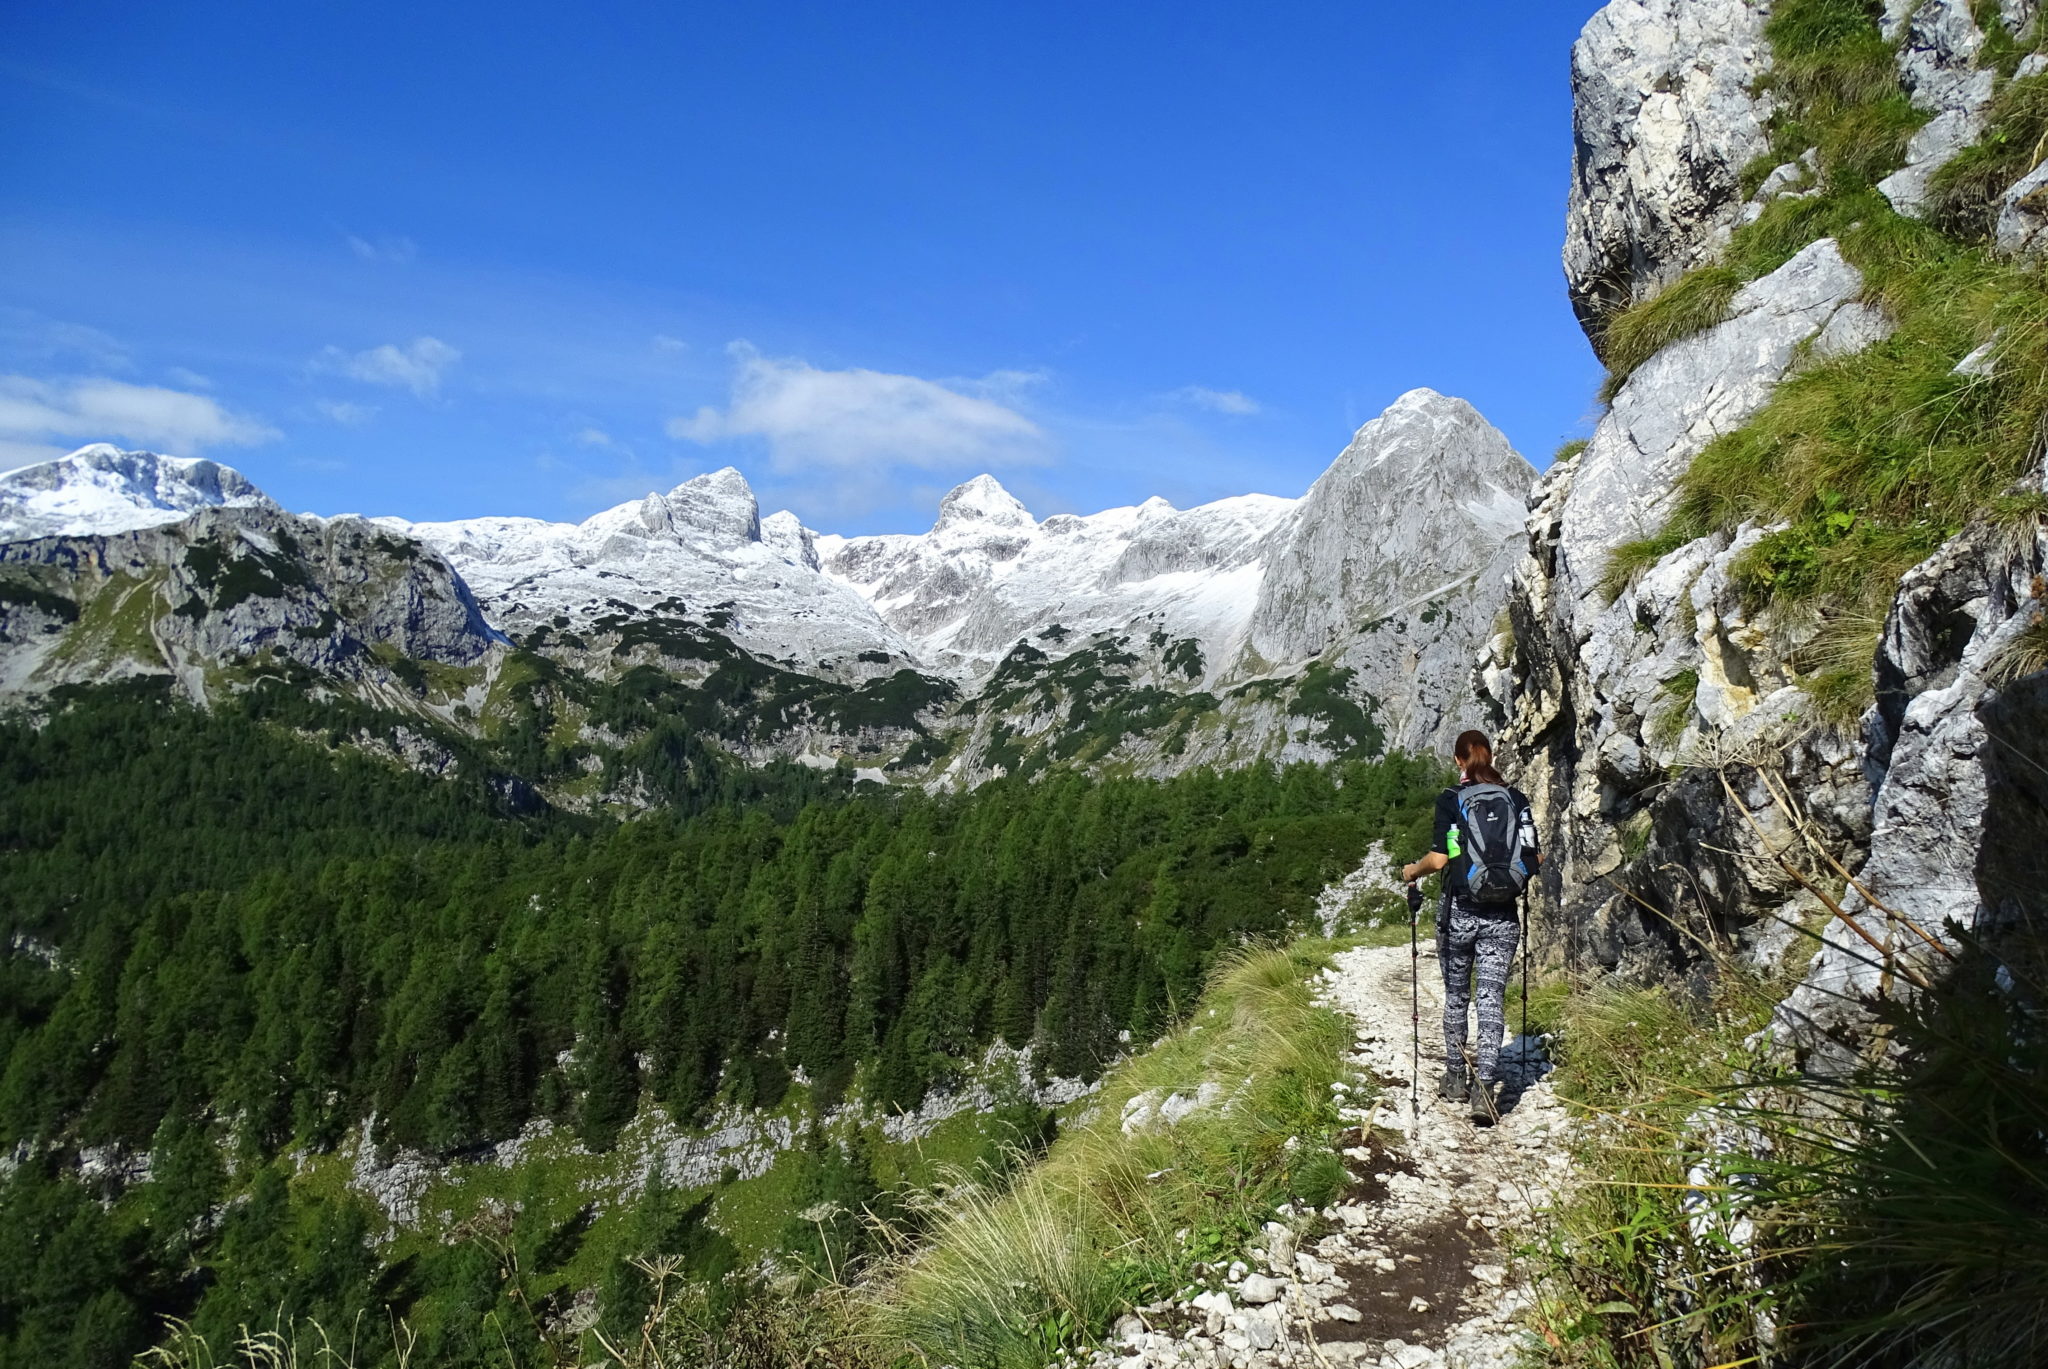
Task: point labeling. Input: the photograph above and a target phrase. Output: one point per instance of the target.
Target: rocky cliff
(1671, 684)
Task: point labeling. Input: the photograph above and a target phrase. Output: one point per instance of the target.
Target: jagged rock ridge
(1148, 637)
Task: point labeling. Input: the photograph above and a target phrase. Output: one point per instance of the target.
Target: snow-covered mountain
(700, 550)
(101, 489)
(1147, 638)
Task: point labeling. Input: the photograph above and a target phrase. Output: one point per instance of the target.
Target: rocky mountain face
(1667, 719)
(102, 489)
(1664, 118)
(232, 593)
(1146, 639)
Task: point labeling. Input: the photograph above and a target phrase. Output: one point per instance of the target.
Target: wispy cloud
(396, 251)
(812, 418)
(28, 336)
(343, 412)
(416, 366)
(34, 412)
(664, 343)
(191, 380)
(1216, 401)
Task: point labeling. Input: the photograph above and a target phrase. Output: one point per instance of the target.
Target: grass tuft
(1967, 190)
(1108, 1220)
(1694, 303)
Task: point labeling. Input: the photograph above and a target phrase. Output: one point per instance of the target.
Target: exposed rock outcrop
(232, 588)
(1667, 734)
(1665, 116)
(1959, 819)
(1938, 68)
(1604, 698)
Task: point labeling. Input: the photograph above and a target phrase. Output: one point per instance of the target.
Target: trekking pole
(1528, 936)
(1414, 1007)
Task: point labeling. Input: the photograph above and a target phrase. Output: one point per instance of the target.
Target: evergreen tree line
(222, 938)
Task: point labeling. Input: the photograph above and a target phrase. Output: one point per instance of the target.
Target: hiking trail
(1418, 1269)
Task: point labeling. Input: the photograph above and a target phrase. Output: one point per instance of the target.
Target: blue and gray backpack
(1490, 836)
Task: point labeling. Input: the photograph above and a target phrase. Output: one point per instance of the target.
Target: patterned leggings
(1473, 945)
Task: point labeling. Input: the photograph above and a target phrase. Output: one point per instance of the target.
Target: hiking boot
(1480, 1101)
(1452, 1089)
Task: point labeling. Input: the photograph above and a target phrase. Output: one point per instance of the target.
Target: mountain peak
(718, 505)
(982, 500)
(102, 489)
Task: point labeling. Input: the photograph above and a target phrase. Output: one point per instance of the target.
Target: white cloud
(191, 380)
(98, 410)
(595, 437)
(417, 366)
(855, 417)
(664, 343)
(398, 251)
(346, 414)
(1216, 401)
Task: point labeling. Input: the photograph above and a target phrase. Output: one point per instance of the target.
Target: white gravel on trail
(1414, 1265)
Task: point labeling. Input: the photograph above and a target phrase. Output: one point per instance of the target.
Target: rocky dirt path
(1413, 1266)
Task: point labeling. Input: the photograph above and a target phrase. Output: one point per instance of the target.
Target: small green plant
(1669, 722)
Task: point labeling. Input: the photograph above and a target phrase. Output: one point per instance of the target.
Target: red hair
(1474, 755)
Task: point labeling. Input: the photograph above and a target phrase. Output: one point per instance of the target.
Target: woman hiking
(1482, 821)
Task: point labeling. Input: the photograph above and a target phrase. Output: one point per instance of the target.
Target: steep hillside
(1802, 549)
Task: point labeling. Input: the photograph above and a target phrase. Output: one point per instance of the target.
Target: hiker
(1485, 843)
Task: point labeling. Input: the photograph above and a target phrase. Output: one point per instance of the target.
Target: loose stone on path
(1412, 1270)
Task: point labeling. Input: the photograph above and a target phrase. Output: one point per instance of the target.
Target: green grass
(1866, 462)
(1896, 1215)
(1624, 1268)
(1694, 303)
(1012, 1274)
(1675, 712)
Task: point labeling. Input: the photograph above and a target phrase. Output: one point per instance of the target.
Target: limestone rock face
(1938, 67)
(1958, 740)
(1425, 496)
(232, 588)
(1664, 122)
(1666, 735)
(1694, 391)
(1603, 699)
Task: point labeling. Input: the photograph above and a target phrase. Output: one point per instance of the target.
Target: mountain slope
(1142, 640)
(100, 489)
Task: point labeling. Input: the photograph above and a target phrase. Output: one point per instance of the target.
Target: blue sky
(445, 260)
